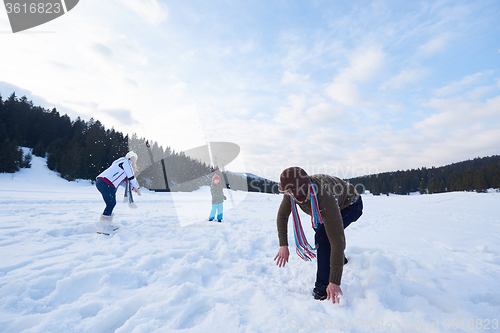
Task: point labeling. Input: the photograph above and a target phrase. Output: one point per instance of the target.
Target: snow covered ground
(426, 263)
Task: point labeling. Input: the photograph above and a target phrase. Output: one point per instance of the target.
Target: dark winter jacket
(217, 193)
(333, 195)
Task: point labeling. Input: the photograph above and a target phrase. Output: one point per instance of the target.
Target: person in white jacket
(107, 183)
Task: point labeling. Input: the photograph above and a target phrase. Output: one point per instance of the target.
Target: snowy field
(427, 263)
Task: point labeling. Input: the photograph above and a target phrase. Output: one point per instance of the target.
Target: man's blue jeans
(108, 194)
(349, 215)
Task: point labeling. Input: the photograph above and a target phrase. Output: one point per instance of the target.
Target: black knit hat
(295, 181)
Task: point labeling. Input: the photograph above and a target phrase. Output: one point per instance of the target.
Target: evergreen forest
(79, 149)
(477, 175)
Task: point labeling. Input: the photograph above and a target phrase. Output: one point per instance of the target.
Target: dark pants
(349, 215)
(108, 194)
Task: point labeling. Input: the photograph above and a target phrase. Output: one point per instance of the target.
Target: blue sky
(342, 88)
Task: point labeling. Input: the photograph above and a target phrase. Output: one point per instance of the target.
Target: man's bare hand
(282, 256)
(333, 291)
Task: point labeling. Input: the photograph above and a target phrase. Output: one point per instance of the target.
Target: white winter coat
(118, 172)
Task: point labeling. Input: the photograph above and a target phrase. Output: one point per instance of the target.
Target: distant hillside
(477, 175)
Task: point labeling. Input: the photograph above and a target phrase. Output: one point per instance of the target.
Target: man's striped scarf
(304, 250)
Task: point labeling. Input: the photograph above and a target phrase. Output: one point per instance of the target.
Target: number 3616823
(33, 8)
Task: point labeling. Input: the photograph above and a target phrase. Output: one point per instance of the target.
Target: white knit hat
(131, 154)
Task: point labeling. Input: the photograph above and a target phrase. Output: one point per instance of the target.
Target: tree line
(477, 175)
(79, 149)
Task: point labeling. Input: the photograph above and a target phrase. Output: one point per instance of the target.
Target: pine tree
(375, 190)
(11, 157)
(480, 184)
(432, 187)
(39, 149)
(26, 161)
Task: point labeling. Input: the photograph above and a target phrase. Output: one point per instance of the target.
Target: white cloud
(306, 113)
(151, 10)
(404, 78)
(463, 84)
(436, 45)
(456, 131)
(179, 87)
(344, 92)
(103, 50)
(292, 115)
(322, 113)
(364, 63)
(292, 77)
(122, 116)
(456, 116)
(479, 92)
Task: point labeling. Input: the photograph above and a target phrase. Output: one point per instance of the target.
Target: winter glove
(138, 191)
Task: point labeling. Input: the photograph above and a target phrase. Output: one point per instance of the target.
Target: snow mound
(38, 177)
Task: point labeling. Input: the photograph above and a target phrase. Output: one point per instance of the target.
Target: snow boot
(105, 227)
(319, 292)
